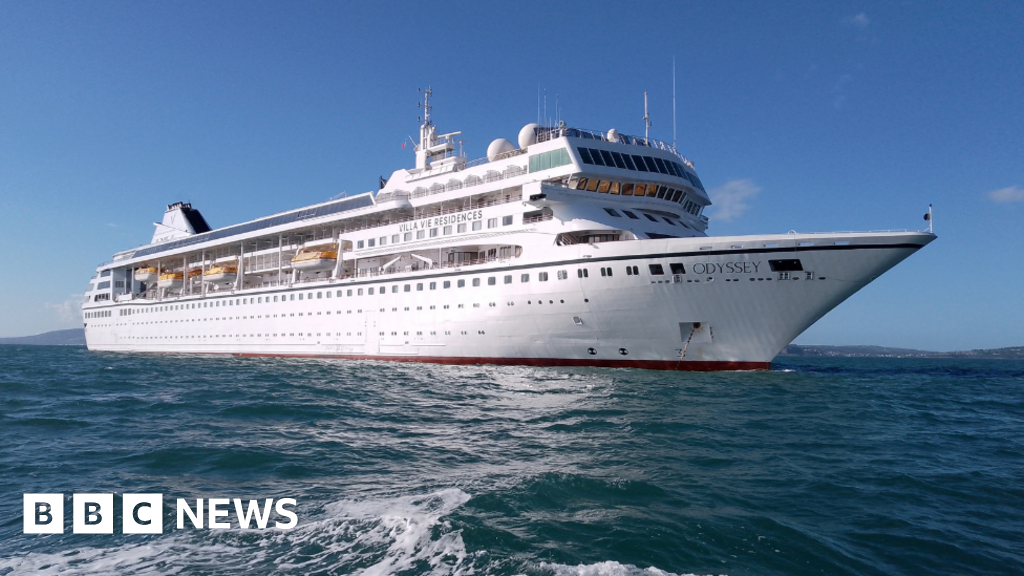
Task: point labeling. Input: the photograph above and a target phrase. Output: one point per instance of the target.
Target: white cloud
(729, 200)
(68, 311)
(859, 21)
(1004, 195)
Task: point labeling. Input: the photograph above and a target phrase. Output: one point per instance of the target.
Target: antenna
(647, 122)
(673, 101)
(546, 123)
(538, 102)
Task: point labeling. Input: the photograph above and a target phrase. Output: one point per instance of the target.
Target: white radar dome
(499, 146)
(613, 135)
(528, 135)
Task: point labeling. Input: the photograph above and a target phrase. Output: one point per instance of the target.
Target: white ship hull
(745, 315)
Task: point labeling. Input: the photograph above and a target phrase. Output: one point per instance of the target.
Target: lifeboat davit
(147, 274)
(221, 274)
(315, 259)
(170, 280)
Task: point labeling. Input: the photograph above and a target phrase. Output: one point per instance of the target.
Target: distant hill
(1012, 353)
(72, 337)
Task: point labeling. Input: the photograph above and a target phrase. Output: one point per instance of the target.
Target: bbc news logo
(144, 513)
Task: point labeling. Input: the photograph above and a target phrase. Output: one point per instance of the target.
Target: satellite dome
(613, 135)
(528, 135)
(499, 146)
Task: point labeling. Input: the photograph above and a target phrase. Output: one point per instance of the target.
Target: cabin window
(478, 225)
(419, 287)
(627, 189)
(433, 232)
(300, 296)
(632, 271)
(790, 265)
(359, 244)
(656, 269)
(614, 189)
(383, 240)
(612, 212)
(582, 273)
(492, 222)
(603, 188)
(592, 185)
(506, 221)
(447, 230)
(491, 281)
(581, 184)
(462, 228)
(543, 276)
(408, 287)
(394, 239)
(370, 243)
(407, 237)
(349, 293)
(447, 284)
(677, 268)
(508, 279)
(433, 285)
(462, 283)
(420, 234)
(670, 222)
(476, 282)
(361, 292)
(394, 289)
(524, 278)
(562, 274)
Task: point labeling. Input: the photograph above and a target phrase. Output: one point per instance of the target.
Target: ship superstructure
(577, 247)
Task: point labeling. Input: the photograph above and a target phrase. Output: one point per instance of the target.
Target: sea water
(819, 466)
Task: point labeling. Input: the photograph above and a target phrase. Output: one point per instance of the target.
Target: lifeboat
(195, 273)
(170, 280)
(221, 274)
(147, 274)
(315, 259)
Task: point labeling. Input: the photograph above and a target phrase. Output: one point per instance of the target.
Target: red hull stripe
(698, 366)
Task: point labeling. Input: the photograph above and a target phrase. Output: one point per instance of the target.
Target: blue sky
(806, 116)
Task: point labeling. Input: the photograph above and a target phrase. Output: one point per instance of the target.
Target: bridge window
(612, 212)
(656, 269)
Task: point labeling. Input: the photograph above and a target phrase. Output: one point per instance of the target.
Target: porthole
(591, 351)
(623, 351)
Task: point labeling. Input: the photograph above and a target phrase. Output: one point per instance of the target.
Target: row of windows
(97, 314)
(433, 232)
(631, 189)
(546, 160)
(637, 163)
(632, 270)
(629, 214)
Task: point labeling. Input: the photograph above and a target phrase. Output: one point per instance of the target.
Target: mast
(673, 102)
(647, 122)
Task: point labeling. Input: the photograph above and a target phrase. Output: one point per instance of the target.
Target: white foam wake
(368, 537)
(608, 568)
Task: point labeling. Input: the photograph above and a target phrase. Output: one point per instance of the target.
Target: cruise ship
(574, 248)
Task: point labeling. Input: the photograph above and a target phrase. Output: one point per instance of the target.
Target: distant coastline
(72, 337)
(1010, 353)
(76, 337)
